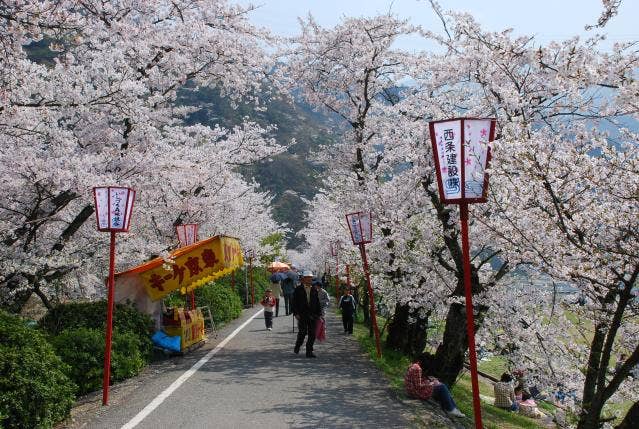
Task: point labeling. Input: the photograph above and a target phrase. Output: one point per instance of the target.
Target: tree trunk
(449, 358)
(591, 417)
(631, 419)
(404, 336)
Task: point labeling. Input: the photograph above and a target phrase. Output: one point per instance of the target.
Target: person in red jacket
(268, 302)
(421, 385)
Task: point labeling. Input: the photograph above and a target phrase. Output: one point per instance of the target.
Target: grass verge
(394, 365)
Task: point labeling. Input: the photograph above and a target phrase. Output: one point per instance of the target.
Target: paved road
(255, 380)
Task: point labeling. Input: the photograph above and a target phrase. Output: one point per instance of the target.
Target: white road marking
(177, 383)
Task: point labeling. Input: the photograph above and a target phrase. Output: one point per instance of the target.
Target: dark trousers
(288, 301)
(442, 395)
(277, 307)
(268, 319)
(347, 321)
(306, 327)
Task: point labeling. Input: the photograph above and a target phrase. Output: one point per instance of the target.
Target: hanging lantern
(186, 233)
(361, 227)
(461, 168)
(113, 207)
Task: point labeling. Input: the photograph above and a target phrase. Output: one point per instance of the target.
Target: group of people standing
(307, 301)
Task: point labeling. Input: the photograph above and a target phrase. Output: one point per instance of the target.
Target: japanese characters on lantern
(187, 234)
(477, 136)
(114, 206)
(461, 151)
(360, 226)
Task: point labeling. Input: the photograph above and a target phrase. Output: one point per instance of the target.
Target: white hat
(307, 273)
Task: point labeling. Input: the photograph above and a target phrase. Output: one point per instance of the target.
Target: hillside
(290, 177)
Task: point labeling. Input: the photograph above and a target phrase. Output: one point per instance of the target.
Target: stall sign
(193, 266)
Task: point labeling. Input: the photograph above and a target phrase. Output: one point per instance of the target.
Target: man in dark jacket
(307, 310)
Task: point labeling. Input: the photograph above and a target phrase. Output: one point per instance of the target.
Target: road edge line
(181, 379)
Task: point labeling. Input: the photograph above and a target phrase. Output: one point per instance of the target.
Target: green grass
(394, 365)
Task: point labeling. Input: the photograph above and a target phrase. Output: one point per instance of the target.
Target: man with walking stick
(307, 310)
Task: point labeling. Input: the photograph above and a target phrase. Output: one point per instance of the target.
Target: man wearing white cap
(307, 310)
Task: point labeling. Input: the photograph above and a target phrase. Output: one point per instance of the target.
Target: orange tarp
(192, 266)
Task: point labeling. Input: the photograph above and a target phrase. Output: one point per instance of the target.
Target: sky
(546, 19)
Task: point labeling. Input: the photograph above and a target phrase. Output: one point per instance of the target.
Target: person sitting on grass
(505, 394)
(421, 385)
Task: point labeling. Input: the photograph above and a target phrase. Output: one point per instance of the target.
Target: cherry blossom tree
(102, 111)
(557, 203)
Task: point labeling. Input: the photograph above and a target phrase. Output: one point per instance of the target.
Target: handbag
(320, 330)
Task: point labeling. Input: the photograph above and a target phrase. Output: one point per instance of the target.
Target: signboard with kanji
(360, 226)
(113, 206)
(186, 233)
(192, 266)
(461, 150)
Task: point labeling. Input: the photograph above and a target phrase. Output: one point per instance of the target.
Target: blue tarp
(160, 339)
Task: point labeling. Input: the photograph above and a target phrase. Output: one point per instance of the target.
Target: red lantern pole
(348, 276)
(251, 280)
(371, 299)
(470, 318)
(109, 324)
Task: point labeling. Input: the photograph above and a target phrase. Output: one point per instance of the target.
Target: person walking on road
(277, 292)
(307, 310)
(268, 302)
(324, 299)
(347, 305)
(288, 287)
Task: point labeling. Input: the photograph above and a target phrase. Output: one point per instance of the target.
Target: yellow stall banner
(190, 267)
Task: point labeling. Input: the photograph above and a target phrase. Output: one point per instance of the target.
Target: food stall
(184, 269)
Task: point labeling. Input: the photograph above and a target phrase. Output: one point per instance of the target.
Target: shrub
(223, 302)
(82, 349)
(126, 318)
(34, 390)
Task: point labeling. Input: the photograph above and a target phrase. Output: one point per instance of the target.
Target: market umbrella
(277, 267)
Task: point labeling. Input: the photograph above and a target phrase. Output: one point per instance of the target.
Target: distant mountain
(290, 177)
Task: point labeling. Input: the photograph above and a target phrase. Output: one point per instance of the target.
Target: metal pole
(371, 298)
(109, 323)
(246, 286)
(251, 277)
(470, 319)
(336, 276)
(192, 300)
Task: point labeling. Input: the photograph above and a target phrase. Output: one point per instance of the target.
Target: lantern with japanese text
(461, 151)
(361, 228)
(186, 233)
(113, 209)
(461, 168)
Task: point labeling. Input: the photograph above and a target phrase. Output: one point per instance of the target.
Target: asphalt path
(255, 380)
